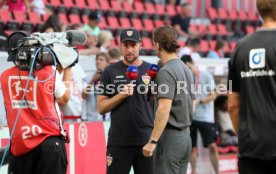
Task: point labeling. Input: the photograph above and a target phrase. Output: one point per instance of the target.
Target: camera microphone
(75, 37)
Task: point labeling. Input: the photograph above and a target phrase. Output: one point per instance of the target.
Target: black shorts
(120, 159)
(256, 166)
(47, 158)
(207, 131)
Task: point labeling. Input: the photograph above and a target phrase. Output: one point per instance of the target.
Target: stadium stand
(230, 21)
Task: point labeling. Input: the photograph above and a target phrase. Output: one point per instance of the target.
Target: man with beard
(131, 113)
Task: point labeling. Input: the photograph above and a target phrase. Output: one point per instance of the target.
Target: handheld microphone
(152, 72)
(132, 72)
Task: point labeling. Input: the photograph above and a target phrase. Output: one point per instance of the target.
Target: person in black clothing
(181, 22)
(131, 113)
(252, 103)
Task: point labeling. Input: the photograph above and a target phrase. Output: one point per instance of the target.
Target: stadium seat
(212, 14)
(113, 23)
(116, 6)
(74, 19)
(252, 16)
(104, 5)
(137, 24)
(170, 9)
(148, 24)
(5, 15)
(63, 18)
(204, 46)
(93, 5)
(139, 7)
(160, 9)
(212, 44)
(81, 4)
(102, 23)
(182, 44)
(233, 15)
(232, 45)
(249, 29)
(158, 23)
(212, 30)
(149, 8)
(202, 28)
(125, 23)
(193, 28)
(222, 30)
(227, 49)
(223, 150)
(242, 15)
(222, 14)
(67, 3)
(127, 7)
(34, 18)
(19, 16)
(147, 43)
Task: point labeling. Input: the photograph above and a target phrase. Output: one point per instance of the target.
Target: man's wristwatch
(152, 141)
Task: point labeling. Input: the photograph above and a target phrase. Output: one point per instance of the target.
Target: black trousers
(256, 166)
(121, 158)
(47, 158)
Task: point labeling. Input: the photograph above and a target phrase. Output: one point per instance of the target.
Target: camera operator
(37, 143)
(91, 113)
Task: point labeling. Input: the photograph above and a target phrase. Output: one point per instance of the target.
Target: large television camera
(45, 48)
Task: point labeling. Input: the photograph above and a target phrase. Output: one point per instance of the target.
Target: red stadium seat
(113, 22)
(147, 43)
(68, 3)
(233, 15)
(204, 46)
(34, 17)
(5, 15)
(139, 7)
(170, 9)
(137, 24)
(104, 5)
(125, 23)
(55, 3)
(222, 14)
(232, 45)
(116, 5)
(212, 14)
(92, 4)
(102, 23)
(178, 7)
(80, 3)
(19, 16)
(212, 44)
(242, 15)
(149, 26)
(222, 30)
(74, 19)
(211, 29)
(158, 23)
(250, 29)
(252, 16)
(150, 8)
(223, 150)
(63, 18)
(160, 9)
(127, 7)
(202, 28)
(193, 28)
(227, 48)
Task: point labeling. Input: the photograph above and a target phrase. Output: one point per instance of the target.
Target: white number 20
(29, 132)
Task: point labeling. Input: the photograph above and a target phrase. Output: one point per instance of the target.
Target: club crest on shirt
(146, 79)
(109, 160)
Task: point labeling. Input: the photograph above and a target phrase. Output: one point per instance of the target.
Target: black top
(132, 120)
(183, 22)
(252, 71)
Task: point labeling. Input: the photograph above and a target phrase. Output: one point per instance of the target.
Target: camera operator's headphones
(12, 43)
